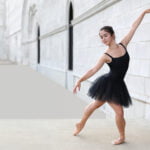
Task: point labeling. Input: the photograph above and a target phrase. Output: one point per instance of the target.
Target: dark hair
(108, 29)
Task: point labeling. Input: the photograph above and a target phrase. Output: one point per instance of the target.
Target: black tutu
(111, 86)
(105, 89)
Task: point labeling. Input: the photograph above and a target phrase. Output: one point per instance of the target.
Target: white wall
(3, 44)
(53, 25)
(13, 27)
(88, 48)
(89, 17)
(29, 32)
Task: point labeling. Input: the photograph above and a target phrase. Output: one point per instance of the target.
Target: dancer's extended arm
(134, 26)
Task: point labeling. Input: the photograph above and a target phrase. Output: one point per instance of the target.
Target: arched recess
(29, 32)
(25, 20)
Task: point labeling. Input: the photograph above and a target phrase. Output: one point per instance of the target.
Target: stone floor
(26, 93)
(38, 114)
(56, 134)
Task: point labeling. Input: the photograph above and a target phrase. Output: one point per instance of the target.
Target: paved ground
(56, 134)
(37, 114)
(28, 94)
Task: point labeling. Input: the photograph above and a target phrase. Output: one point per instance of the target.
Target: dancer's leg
(87, 112)
(120, 122)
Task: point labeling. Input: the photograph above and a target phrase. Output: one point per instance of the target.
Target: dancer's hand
(78, 85)
(147, 11)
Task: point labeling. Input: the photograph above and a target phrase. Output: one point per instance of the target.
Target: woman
(110, 87)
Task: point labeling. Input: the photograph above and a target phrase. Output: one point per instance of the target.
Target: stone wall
(87, 48)
(13, 27)
(51, 17)
(3, 43)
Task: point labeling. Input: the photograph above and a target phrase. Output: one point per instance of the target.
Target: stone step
(7, 62)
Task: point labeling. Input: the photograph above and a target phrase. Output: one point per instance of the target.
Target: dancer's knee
(119, 114)
(97, 104)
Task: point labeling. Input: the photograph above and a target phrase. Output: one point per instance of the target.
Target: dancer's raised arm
(135, 25)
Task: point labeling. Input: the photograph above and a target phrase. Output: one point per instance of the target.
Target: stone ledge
(99, 7)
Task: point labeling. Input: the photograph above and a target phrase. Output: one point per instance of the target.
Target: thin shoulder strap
(108, 55)
(123, 46)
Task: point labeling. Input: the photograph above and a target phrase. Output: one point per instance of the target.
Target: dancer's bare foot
(118, 141)
(78, 128)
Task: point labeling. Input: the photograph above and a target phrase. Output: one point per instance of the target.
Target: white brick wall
(52, 15)
(86, 5)
(3, 44)
(14, 15)
(53, 51)
(121, 16)
(147, 88)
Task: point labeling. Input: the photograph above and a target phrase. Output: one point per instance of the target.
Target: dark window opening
(70, 56)
(39, 46)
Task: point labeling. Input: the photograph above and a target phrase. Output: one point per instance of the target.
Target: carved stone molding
(97, 8)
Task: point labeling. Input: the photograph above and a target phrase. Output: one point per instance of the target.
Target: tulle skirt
(105, 88)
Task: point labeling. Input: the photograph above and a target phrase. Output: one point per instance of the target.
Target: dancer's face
(106, 37)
